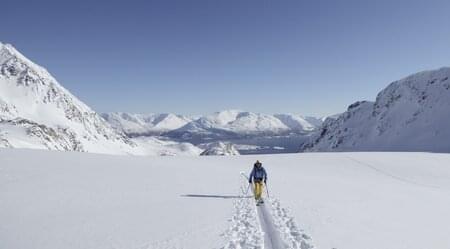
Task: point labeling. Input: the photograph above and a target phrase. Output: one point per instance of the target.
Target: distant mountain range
(233, 122)
(411, 114)
(145, 124)
(253, 132)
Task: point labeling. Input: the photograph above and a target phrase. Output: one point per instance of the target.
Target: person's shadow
(215, 196)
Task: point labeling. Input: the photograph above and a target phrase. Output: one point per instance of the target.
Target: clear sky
(192, 57)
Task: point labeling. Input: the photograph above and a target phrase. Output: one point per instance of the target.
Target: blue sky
(192, 57)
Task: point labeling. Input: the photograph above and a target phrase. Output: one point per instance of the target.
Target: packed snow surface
(57, 200)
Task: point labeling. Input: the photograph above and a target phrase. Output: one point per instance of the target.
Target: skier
(257, 176)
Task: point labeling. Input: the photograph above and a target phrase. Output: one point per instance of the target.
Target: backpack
(259, 173)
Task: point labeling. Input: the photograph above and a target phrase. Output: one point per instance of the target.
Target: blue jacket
(258, 173)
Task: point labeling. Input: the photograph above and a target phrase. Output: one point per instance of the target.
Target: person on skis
(258, 176)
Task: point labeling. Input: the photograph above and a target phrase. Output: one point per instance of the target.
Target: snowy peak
(223, 117)
(37, 112)
(297, 122)
(13, 63)
(409, 115)
(223, 123)
(242, 122)
(247, 122)
(145, 124)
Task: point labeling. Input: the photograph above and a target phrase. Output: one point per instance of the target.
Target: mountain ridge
(53, 118)
(410, 114)
(227, 121)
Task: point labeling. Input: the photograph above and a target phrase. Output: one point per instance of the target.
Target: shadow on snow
(216, 196)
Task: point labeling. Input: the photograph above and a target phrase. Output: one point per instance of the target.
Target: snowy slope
(157, 147)
(145, 124)
(297, 122)
(411, 114)
(37, 112)
(341, 200)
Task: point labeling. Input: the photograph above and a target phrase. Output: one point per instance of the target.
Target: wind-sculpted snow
(411, 114)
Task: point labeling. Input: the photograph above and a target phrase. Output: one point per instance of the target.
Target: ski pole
(267, 190)
(248, 187)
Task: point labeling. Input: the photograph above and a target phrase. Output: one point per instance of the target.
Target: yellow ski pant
(258, 187)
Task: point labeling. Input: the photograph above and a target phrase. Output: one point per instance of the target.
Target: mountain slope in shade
(219, 149)
(411, 114)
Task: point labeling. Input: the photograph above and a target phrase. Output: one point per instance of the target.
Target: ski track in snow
(291, 235)
(271, 235)
(244, 231)
(267, 226)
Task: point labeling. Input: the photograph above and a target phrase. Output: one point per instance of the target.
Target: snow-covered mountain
(412, 114)
(145, 124)
(219, 149)
(242, 122)
(246, 129)
(37, 112)
(298, 123)
(224, 123)
(236, 124)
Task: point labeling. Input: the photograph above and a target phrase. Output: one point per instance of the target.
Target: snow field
(55, 200)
